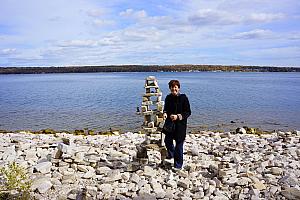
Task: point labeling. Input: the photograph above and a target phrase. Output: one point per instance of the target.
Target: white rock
(276, 171)
(135, 178)
(232, 181)
(31, 155)
(291, 193)
(146, 189)
(89, 174)
(82, 168)
(125, 176)
(184, 183)
(114, 175)
(44, 167)
(243, 181)
(41, 184)
(172, 183)
(148, 171)
(103, 170)
(106, 189)
(92, 190)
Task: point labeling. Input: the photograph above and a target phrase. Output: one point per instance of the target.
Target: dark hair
(173, 83)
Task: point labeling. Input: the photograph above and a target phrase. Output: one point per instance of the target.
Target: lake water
(270, 101)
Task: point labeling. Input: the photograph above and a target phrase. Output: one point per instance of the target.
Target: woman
(176, 109)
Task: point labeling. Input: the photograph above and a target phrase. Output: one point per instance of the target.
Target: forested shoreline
(143, 68)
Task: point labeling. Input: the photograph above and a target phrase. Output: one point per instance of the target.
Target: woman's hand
(173, 117)
(165, 116)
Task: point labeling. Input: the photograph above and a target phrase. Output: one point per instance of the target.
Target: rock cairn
(152, 105)
(216, 166)
(152, 111)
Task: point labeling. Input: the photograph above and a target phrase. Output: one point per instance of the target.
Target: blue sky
(105, 32)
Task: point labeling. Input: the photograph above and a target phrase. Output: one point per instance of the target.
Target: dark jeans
(174, 152)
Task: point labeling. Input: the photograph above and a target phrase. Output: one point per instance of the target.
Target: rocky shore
(216, 166)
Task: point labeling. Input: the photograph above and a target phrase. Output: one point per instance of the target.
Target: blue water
(100, 101)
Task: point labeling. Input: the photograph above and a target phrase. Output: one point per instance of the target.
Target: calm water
(103, 100)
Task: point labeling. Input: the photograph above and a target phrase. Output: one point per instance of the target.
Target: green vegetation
(14, 182)
(143, 68)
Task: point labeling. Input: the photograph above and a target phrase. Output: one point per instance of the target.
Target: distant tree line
(143, 68)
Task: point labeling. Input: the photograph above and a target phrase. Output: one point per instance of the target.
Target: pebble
(216, 166)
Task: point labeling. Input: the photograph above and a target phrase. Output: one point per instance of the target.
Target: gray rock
(82, 168)
(41, 184)
(184, 183)
(72, 194)
(103, 170)
(145, 189)
(121, 190)
(63, 147)
(243, 181)
(114, 175)
(182, 173)
(135, 178)
(232, 181)
(125, 176)
(291, 193)
(289, 180)
(31, 155)
(69, 179)
(171, 183)
(106, 189)
(254, 192)
(276, 171)
(89, 174)
(43, 167)
(194, 151)
(91, 190)
(148, 171)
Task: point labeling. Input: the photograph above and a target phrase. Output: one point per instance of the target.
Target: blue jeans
(174, 152)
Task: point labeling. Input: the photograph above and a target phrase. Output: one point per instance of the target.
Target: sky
(117, 32)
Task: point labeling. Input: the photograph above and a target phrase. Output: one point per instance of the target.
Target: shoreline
(216, 166)
(117, 131)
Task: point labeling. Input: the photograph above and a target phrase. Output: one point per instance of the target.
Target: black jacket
(178, 105)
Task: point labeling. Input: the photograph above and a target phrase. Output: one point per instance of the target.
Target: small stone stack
(152, 106)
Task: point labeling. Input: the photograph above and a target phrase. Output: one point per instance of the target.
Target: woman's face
(175, 90)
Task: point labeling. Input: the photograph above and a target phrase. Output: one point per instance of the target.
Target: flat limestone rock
(41, 184)
(44, 167)
(291, 193)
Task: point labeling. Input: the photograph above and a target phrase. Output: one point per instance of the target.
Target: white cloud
(8, 51)
(213, 17)
(123, 31)
(78, 43)
(254, 34)
(265, 17)
(130, 13)
(289, 52)
(142, 34)
(95, 12)
(102, 22)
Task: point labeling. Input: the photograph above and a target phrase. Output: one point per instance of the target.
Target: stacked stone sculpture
(152, 106)
(152, 110)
